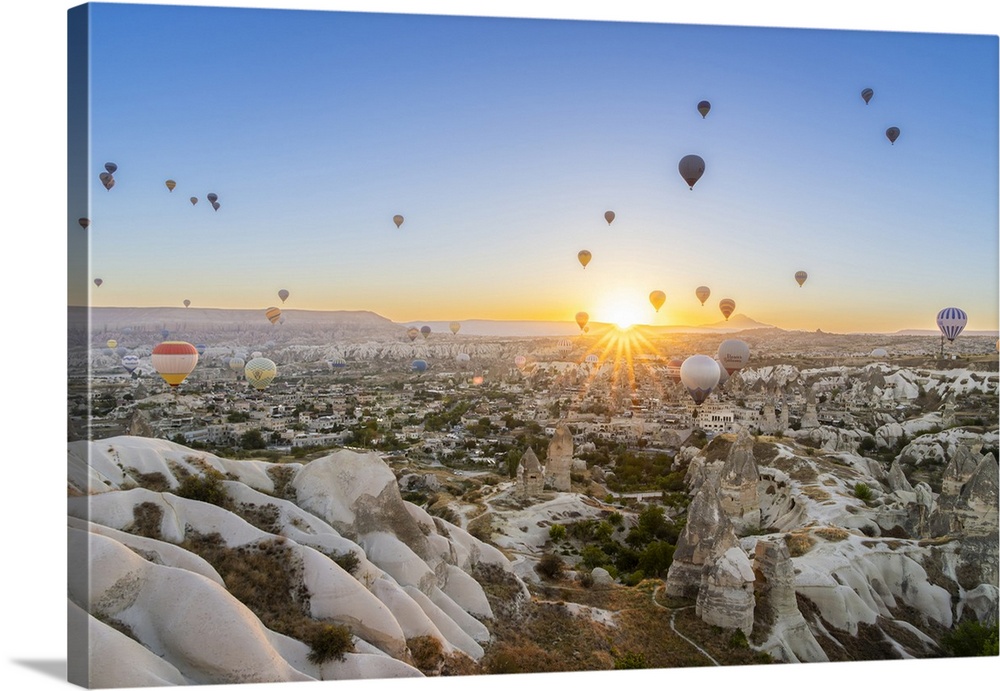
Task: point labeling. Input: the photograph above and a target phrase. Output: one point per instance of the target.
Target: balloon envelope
(98, 282)
(800, 277)
(84, 223)
(699, 375)
(130, 362)
(187, 303)
(733, 354)
(893, 134)
(691, 168)
(112, 343)
(194, 200)
(425, 330)
(236, 364)
(170, 185)
(273, 314)
(398, 220)
(520, 361)
(454, 327)
(212, 197)
(591, 359)
(201, 348)
(727, 306)
(174, 360)
(283, 294)
(419, 365)
(582, 318)
(702, 292)
(260, 372)
(657, 298)
(216, 205)
(867, 95)
(462, 358)
(951, 321)
(584, 256)
(704, 107)
(413, 333)
(111, 168)
(609, 216)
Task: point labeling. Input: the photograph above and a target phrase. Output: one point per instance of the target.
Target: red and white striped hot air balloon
(174, 360)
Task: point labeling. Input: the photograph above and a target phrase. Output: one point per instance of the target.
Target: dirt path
(673, 617)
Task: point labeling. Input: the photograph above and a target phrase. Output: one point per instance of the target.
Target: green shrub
(557, 532)
(971, 639)
(863, 491)
(329, 642)
(550, 566)
(630, 661)
(206, 487)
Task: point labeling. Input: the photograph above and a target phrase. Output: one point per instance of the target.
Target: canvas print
(406, 345)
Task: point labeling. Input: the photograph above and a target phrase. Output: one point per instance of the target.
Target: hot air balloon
(581, 319)
(879, 352)
(609, 216)
(337, 363)
(733, 354)
(236, 364)
(130, 362)
(462, 358)
(170, 185)
(584, 257)
(413, 332)
(112, 344)
(893, 134)
(591, 359)
(704, 107)
(691, 169)
(951, 321)
(98, 282)
(273, 314)
(84, 223)
(212, 197)
(727, 306)
(800, 277)
(425, 331)
(867, 95)
(283, 294)
(723, 374)
(398, 220)
(111, 168)
(187, 303)
(194, 200)
(702, 292)
(121, 350)
(260, 372)
(216, 205)
(699, 375)
(657, 298)
(201, 348)
(419, 365)
(520, 361)
(674, 369)
(107, 180)
(109, 184)
(174, 361)
(454, 327)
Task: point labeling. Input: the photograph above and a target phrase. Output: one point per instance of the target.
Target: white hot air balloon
(700, 375)
(733, 354)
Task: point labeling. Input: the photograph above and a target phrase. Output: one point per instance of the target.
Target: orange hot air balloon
(170, 185)
(609, 216)
(584, 256)
(174, 360)
(273, 314)
(413, 332)
(657, 298)
(800, 277)
(582, 318)
(702, 292)
(398, 220)
(727, 307)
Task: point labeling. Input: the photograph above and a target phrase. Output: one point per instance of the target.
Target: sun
(622, 313)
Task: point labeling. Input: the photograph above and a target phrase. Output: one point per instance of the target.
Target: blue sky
(502, 141)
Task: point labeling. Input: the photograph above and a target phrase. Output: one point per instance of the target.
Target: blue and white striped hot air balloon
(951, 321)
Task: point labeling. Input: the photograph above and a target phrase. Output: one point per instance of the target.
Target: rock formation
(738, 483)
(707, 525)
(530, 475)
(789, 638)
(559, 460)
(725, 595)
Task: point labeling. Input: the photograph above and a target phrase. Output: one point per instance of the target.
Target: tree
(253, 439)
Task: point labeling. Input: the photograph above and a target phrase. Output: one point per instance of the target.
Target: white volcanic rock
(738, 484)
(831, 438)
(725, 596)
(331, 487)
(412, 619)
(466, 592)
(446, 625)
(177, 614)
(394, 557)
(136, 665)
